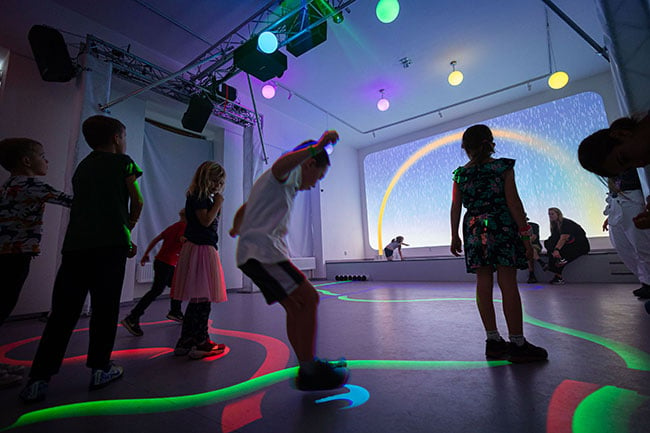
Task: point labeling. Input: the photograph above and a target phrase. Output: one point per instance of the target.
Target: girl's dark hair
(98, 130)
(594, 150)
(478, 143)
(322, 158)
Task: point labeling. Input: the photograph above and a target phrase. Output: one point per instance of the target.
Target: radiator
(144, 274)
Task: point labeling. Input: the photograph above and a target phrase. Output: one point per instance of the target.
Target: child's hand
(144, 259)
(456, 246)
(233, 232)
(328, 137)
(133, 250)
(642, 220)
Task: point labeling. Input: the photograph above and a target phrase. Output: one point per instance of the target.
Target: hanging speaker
(197, 114)
(51, 54)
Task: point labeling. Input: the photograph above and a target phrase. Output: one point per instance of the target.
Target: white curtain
(168, 162)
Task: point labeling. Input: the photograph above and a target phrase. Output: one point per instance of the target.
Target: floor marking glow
(356, 396)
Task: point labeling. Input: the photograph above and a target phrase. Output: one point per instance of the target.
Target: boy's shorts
(388, 252)
(275, 280)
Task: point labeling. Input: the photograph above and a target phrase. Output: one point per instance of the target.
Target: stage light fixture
(383, 104)
(267, 42)
(268, 91)
(557, 79)
(387, 10)
(455, 77)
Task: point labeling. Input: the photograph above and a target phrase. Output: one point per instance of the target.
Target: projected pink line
(564, 402)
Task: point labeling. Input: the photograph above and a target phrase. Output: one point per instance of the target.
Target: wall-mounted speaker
(197, 114)
(51, 54)
(260, 65)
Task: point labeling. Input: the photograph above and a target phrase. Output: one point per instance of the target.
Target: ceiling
(496, 43)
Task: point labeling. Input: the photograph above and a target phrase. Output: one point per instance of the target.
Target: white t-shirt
(264, 227)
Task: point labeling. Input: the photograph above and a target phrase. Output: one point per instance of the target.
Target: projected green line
(606, 410)
(169, 404)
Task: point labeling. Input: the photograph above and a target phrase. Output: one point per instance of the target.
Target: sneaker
(34, 391)
(207, 348)
(643, 292)
(557, 280)
(132, 325)
(175, 316)
(102, 377)
(527, 353)
(497, 349)
(531, 278)
(183, 346)
(8, 380)
(18, 370)
(323, 375)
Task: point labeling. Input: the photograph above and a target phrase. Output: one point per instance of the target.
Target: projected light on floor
(356, 396)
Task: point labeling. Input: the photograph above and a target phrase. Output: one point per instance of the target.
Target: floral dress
(490, 234)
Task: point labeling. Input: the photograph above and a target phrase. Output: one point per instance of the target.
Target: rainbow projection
(408, 187)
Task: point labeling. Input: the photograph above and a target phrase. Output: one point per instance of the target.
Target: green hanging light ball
(387, 10)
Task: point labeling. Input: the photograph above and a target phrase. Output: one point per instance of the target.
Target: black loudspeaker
(197, 114)
(51, 54)
(308, 40)
(260, 65)
(227, 92)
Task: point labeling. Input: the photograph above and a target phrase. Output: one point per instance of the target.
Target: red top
(172, 244)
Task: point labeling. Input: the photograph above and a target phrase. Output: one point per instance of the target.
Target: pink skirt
(198, 276)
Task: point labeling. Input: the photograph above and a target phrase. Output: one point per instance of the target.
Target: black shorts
(275, 280)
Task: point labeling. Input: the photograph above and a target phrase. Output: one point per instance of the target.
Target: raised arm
(286, 163)
(206, 216)
(237, 220)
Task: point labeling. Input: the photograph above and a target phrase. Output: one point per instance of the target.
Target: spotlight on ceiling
(268, 91)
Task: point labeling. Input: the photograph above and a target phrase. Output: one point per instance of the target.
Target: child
(496, 237)
(262, 254)
(395, 244)
(199, 276)
(164, 264)
(611, 151)
(22, 203)
(537, 248)
(106, 206)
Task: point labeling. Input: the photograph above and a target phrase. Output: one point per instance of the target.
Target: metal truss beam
(141, 72)
(214, 66)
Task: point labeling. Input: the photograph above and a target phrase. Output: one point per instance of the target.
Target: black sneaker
(206, 348)
(643, 292)
(497, 349)
(323, 375)
(34, 391)
(557, 281)
(132, 325)
(531, 278)
(176, 316)
(527, 353)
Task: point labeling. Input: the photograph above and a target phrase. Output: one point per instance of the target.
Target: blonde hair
(209, 176)
(560, 218)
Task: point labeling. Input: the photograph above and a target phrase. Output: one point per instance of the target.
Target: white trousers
(631, 244)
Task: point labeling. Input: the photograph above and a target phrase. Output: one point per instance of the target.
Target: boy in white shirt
(263, 255)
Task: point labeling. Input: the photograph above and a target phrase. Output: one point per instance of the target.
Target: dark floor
(416, 356)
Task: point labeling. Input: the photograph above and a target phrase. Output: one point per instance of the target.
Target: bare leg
(301, 307)
(484, 283)
(507, 279)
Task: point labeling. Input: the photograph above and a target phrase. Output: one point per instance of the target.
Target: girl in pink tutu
(199, 277)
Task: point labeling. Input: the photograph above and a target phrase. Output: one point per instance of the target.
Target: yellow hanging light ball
(558, 80)
(455, 78)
